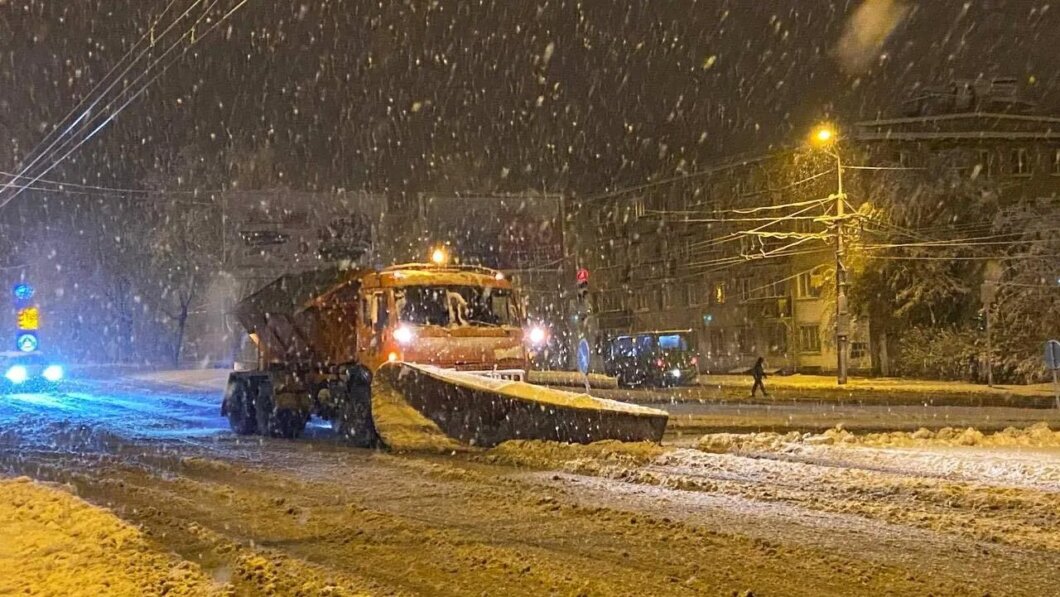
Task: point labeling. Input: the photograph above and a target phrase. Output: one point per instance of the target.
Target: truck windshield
(458, 306)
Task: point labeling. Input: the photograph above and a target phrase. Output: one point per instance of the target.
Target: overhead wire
(737, 235)
(109, 190)
(687, 176)
(84, 113)
(140, 91)
(113, 114)
(77, 108)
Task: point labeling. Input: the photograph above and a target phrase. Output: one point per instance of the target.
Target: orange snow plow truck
(410, 357)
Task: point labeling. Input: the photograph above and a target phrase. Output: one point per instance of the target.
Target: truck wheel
(288, 423)
(353, 417)
(276, 422)
(239, 409)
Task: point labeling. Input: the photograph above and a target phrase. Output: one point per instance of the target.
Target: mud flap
(419, 407)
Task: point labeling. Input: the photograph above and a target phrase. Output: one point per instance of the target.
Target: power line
(110, 118)
(141, 90)
(104, 93)
(969, 242)
(724, 220)
(743, 211)
(106, 190)
(682, 177)
(741, 234)
(964, 258)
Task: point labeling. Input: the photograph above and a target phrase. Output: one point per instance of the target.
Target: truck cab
(454, 317)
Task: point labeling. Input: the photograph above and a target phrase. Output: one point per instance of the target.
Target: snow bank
(1035, 436)
(547, 455)
(56, 544)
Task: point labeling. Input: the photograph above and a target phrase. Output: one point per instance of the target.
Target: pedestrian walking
(759, 373)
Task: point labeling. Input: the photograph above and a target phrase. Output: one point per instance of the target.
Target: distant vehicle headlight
(53, 373)
(537, 335)
(404, 335)
(17, 374)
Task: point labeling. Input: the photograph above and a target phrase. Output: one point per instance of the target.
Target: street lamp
(824, 135)
(825, 138)
(440, 256)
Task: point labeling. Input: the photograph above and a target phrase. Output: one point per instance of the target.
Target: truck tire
(353, 419)
(239, 408)
(273, 422)
(288, 423)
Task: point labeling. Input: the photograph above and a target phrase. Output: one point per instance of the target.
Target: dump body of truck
(323, 336)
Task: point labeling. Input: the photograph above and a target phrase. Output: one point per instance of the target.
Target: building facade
(744, 254)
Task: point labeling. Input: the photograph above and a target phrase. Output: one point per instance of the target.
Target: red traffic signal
(583, 276)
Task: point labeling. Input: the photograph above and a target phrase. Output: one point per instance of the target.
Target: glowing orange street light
(439, 256)
(823, 136)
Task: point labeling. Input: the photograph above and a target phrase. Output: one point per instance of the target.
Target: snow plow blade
(420, 407)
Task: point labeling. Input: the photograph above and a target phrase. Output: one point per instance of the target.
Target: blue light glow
(23, 292)
(53, 373)
(17, 374)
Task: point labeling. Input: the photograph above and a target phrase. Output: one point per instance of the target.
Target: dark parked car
(663, 358)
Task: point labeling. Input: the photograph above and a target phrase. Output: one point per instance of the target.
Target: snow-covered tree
(928, 237)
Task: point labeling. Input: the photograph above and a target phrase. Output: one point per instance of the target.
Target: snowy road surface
(534, 519)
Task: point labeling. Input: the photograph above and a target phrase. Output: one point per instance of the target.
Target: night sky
(491, 95)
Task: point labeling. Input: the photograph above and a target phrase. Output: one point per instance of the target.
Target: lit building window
(719, 293)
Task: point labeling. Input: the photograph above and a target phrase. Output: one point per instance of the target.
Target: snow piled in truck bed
(56, 544)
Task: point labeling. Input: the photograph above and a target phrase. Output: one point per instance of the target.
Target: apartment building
(706, 251)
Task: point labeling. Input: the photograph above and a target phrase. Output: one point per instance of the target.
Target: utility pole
(825, 137)
(989, 351)
(842, 323)
(987, 295)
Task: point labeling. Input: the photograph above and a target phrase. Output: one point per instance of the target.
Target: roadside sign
(29, 319)
(1052, 354)
(23, 292)
(27, 342)
(583, 357)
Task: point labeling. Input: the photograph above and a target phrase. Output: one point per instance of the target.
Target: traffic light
(583, 284)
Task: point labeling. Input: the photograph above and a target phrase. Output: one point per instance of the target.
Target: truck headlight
(53, 373)
(537, 335)
(404, 335)
(17, 374)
